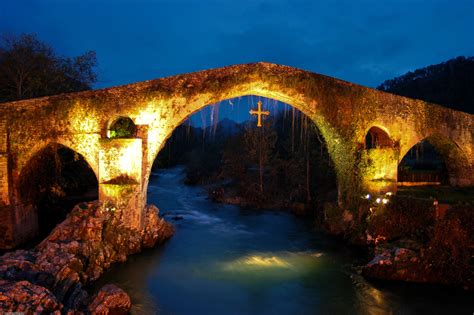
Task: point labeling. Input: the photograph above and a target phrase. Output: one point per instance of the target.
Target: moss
(123, 127)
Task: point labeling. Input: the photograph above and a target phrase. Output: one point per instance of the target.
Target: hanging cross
(259, 113)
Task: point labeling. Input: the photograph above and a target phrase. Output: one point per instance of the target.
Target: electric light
(378, 200)
(367, 196)
(384, 201)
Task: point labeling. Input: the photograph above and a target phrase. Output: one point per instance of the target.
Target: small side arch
(52, 181)
(376, 138)
(459, 169)
(121, 127)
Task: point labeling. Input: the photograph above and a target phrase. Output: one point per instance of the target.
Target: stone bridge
(345, 114)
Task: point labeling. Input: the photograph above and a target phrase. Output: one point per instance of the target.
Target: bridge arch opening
(377, 138)
(435, 160)
(286, 159)
(122, 127)
(52, 182)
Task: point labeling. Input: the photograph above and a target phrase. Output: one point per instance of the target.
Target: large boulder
(110, 300)
(77, 251)
(23, 296)
(395, 263)
(156, 229)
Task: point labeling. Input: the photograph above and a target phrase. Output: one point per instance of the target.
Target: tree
(449, 84)
(30, 68)
(259, 144)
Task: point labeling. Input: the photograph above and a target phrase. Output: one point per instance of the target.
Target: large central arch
(273, 102)
(330, 135)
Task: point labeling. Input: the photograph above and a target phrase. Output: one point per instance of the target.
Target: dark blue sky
(364, 42)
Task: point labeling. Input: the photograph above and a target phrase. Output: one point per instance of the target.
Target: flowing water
(227, 260)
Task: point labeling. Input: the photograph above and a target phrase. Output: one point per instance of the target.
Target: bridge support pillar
(4, 178)
(120, 178)
(378, 169)
(6, 210)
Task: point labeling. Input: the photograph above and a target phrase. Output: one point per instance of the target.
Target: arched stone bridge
(343, 112)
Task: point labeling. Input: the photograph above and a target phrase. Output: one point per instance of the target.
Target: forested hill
(450, 84)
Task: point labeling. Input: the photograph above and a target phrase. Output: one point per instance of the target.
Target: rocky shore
(411, 241)
(51, 277)
(445, 258)
(219, 195)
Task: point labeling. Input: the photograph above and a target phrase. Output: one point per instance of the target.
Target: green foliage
(30, 68)
(123, 127)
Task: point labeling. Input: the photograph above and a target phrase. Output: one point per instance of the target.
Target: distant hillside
(450, 84)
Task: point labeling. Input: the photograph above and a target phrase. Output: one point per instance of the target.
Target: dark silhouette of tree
(259, 145)
(449, 83)
(30, 68)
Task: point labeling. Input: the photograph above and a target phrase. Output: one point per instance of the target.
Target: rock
(110, 300)
(156, 230)
(77, 251)
(24, 296)
(403, 254)
(396, 263)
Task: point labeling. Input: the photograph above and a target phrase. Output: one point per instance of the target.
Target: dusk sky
(364, 42)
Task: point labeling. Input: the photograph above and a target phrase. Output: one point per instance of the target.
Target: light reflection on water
(226, 260)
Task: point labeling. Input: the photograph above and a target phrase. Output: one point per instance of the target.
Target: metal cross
(259, 113)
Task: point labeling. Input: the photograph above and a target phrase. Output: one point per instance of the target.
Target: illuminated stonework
(343, 112)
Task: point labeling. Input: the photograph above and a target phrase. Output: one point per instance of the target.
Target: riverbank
(444, 256)
(220, 194)
(412, 240)
(51, 277)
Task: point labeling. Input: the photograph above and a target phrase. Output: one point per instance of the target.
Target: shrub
(450, 252)
(402, 217)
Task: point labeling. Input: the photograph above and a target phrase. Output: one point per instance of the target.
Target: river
(227, 260)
